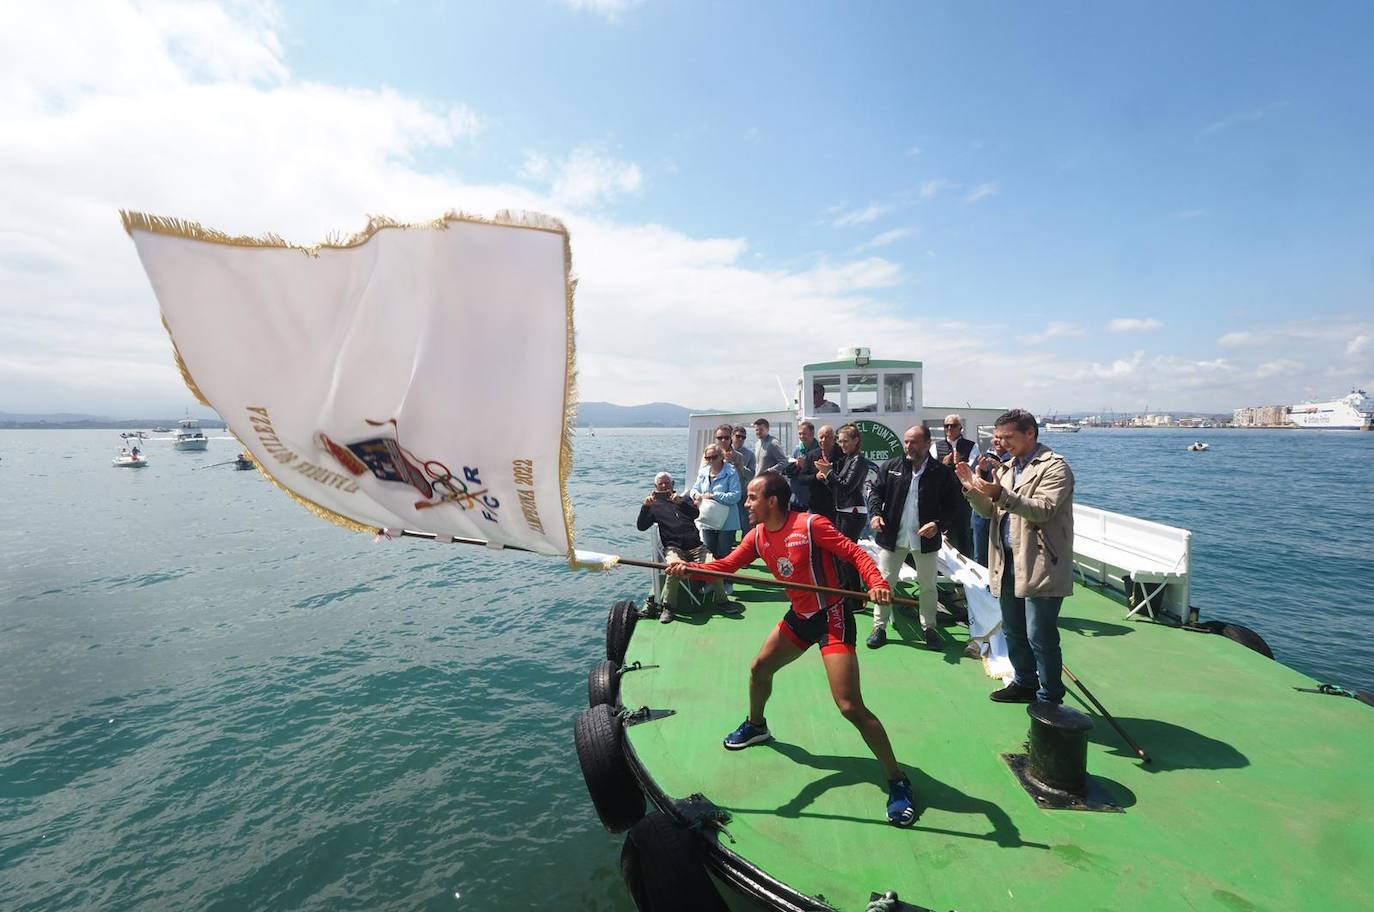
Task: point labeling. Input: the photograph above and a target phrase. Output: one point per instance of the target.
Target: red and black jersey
(807, 549)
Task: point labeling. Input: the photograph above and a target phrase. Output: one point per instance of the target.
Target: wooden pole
(653, 565)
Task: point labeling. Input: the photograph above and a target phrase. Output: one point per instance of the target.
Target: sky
(1067, 206)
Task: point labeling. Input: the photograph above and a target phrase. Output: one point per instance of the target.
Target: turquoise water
(210, 699)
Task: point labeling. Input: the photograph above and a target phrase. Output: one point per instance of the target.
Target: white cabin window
(899, 393)
(861, 393)
(825, 394)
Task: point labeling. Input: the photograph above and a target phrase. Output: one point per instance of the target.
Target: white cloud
(1187, 215)
(914, 151)
(933, 188)
(1279, 368)
(192, 110)
(860, 216)
(981, 192)
(1058, 329)
(242, 145)
(610, 10)
(587, 177)
(1134, 324)
(1253, 115)
(1238, 338)
(888, 237)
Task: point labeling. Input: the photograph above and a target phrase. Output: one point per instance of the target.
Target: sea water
(210, 699)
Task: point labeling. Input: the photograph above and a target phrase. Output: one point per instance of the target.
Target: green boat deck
(1259, 796)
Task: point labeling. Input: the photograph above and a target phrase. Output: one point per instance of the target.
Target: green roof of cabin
(1259, 796)
(850, 365)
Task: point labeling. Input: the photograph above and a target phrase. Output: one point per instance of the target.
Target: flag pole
(654, 565)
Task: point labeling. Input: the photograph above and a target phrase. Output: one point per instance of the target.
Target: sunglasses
(739, 433)
(951, 425)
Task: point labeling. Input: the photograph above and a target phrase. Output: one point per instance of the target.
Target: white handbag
(714, 514)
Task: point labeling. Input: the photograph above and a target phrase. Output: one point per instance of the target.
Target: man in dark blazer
(904, 524)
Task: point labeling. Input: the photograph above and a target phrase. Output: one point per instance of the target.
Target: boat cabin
(881, 397)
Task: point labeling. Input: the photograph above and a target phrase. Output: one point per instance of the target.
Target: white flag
(411, 377)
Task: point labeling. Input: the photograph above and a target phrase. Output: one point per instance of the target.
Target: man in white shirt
(913, 500)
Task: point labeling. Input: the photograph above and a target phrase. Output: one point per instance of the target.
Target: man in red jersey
(805, 548)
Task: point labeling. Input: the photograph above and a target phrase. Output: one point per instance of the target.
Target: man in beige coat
(1029, 505)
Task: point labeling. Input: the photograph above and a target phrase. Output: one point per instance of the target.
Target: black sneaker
(933, 640)
(901, 804)
(877, 638)
(731, 609)
(1015, 693)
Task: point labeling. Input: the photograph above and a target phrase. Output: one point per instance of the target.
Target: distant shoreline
(100, 425)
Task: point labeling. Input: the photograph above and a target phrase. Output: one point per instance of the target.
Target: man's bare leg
(777, 651)
(842, 668)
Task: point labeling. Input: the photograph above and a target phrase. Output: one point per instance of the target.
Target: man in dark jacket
(677, 531)
(905, 524)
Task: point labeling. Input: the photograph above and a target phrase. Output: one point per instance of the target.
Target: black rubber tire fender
(598, 734)
(662, 866)
(1247, 638)
(603, 684)
(620, 625)
(1241, 634)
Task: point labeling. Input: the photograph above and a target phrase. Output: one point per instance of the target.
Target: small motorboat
(1197, 446)
(242, 463)
(130, 456)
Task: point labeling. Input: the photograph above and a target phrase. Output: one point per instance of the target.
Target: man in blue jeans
(1029, 507)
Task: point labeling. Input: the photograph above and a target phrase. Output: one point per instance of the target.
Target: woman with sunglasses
(719, 481)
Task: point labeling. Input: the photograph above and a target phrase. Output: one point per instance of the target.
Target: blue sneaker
(901, 806)
(748, 733)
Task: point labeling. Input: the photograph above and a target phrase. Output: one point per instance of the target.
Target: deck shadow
(952, 650)
(1089, 627)
(1170, 746)
(931, 793)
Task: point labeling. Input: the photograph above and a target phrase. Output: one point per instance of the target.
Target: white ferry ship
(1354, 412)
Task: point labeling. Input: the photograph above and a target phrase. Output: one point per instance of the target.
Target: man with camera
(1029, 505)
(677, 531)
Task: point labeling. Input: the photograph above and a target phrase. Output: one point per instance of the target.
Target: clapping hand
(965, 474)
(989, 489)
(823, 467)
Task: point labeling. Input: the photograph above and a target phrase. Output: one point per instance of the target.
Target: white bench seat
(1112, 545)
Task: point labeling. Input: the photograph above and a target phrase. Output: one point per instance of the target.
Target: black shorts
(833, 629)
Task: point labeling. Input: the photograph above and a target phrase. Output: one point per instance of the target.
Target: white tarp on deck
(984, 611)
